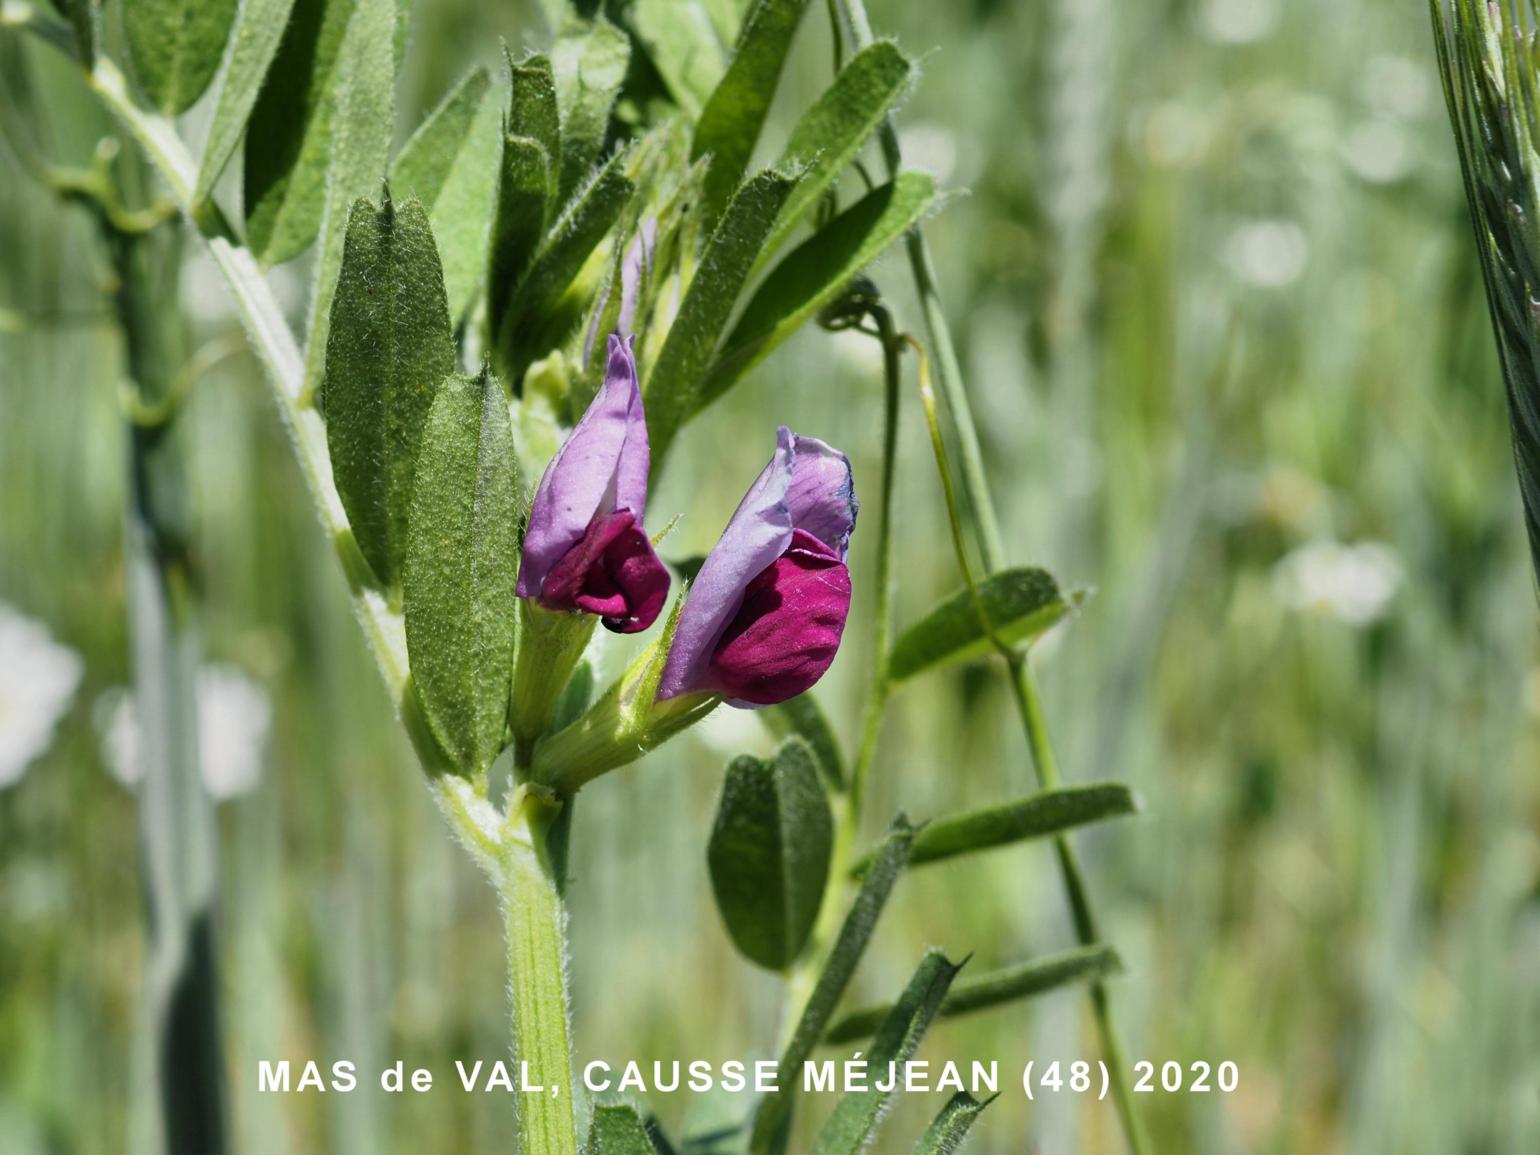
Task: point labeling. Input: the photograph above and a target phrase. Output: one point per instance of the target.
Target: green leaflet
(589, 61)
(359, 150)
(817, 271)
(832, 131)
(532, 111)
(945, 1135)
(1021, 605)
(258, 31)
(673, 384)
(618, 1130)
(802, 716)
(683, 44)
(995, 988)
(730, 123)
(773, 1118)
(461, 560)
(288, 139)
(560, 257)
(450, 164)
(850, 1126)
(388, 348)
(176, 47)
(769, 853)
(518, 222)
(1038, 816)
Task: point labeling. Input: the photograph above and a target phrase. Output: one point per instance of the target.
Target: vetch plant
(460, 290)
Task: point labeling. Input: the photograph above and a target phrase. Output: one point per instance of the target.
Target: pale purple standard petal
(758, 533)
(822, 496)
(597, 463)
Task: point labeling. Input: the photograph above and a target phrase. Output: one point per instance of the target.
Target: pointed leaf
(817, 271)
(773, 1118)
(258, 31)
(801, 716)
(390, 345)
(519, 219)
(850, 1126)
(450, 164)
(461, 558)
(674, 383)
(996, 988)
(683, 44)
(589, 61)
(730, 124)
(532, 111)
(176, 47)
(946, 1134)
(288, 140)
(1039, 816)
(831, 133)
(1021, 604)
(769, 853)
(562, 253)
(618, 1130)
(358, 152)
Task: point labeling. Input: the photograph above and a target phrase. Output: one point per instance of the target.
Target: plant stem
(535, 929)
(992, 552)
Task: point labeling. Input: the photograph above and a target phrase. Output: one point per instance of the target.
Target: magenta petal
(822, 495)
(612, 572)
(600, 468)
(757, 534)
(787, 631)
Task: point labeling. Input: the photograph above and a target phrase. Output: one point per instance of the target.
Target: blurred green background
(1215, 294)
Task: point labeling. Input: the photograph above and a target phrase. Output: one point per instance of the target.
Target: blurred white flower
(1267, 253)
(38, 679)
(1378, 151)
(1238, 21)
(1352, 583)
(234, 719)
(1397, 85)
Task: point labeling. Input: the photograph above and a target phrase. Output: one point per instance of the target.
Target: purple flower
(585, 548)
(763, 619)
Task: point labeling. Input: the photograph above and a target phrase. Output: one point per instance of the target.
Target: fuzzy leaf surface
(461, 561)
(389, 347)
(1021, 605)
(589, 62)
(734, 115)
(832, 131)
(259, 30)
(803, 717)
(176, 47)
(769, 853)
(946, 1133)
(673, 386)
(450, 164)
(618, 1130)
(817, 271)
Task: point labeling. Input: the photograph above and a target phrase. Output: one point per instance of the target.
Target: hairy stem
(535, 929)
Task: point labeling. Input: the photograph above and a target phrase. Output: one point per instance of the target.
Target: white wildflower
(1352, 583)
(234, 720)
(38, 679)
(1267, 253)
